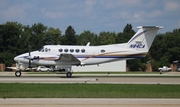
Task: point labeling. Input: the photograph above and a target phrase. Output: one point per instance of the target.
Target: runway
(97, 80)
(88, 102)
(89, 78)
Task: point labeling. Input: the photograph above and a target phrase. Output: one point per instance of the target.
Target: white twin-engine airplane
(66, 56)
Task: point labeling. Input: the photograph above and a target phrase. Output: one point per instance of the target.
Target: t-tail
(143, 38)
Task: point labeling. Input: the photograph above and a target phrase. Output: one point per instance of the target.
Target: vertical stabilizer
(143, 38)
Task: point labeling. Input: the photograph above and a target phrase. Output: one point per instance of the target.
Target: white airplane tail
(143, 38)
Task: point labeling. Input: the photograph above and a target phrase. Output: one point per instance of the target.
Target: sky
(93, 15)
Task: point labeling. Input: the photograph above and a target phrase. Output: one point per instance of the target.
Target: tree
(69, 37)
(86, 37)
(165, 48)
(124, 36)
(37, 36)
(137, 64)
(128, 29)
(15, 38)
(10, 32)
(7, 58)
(53, 36)
(107, 38)
(158, 48)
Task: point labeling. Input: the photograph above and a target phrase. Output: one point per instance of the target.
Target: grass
(21, 90)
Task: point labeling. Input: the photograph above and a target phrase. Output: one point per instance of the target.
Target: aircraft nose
(16, 59)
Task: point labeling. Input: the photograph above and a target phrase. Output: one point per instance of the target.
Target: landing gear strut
(18, 73)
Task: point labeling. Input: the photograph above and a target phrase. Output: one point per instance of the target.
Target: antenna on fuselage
(88, 44)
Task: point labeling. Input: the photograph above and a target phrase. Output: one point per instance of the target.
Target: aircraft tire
(18, 73)
(69, 74)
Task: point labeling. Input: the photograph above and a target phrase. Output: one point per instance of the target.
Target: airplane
(65, 56)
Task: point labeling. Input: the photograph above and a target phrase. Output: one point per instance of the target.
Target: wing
(68, 59)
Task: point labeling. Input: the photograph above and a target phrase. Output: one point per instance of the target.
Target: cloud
(14, 12)
(112, 4)
(88, 9)
(178, 25)
(53, 14)
(84, 9)
(90, 2)
(124, 15)
(145, 16)
(171, 6)
(155, 14)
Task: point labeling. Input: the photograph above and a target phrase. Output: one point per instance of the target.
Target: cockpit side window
(46, 49)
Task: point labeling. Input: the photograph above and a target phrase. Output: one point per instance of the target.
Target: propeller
(29, 56)
(17, 66)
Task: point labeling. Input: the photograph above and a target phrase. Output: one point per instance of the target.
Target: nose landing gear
(18, 73)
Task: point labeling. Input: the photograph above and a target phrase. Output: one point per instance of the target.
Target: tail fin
(144, 37)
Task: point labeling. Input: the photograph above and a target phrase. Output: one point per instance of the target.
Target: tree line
(15, 38)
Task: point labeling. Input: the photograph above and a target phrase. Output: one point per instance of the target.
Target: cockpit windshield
(41, 49)
(44, 49)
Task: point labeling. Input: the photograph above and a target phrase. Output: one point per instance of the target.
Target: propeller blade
(17, 66)
(29, 56)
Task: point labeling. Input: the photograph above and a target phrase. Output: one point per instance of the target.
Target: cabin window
(65, 50)
(77, 50)
(82, 50)
(102, 51)
(71, 50)
(60, 50)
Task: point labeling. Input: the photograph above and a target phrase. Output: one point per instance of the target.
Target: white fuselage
(88, 55)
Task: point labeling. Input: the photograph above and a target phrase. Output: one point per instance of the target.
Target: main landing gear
(18, 73)
(68, 74)
(67, 71)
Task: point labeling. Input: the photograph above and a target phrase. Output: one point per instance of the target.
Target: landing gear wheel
(69, 74)
(18, 73)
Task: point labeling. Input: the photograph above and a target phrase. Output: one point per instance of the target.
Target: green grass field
(21, 90)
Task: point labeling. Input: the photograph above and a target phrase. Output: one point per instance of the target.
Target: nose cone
(16, 58)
